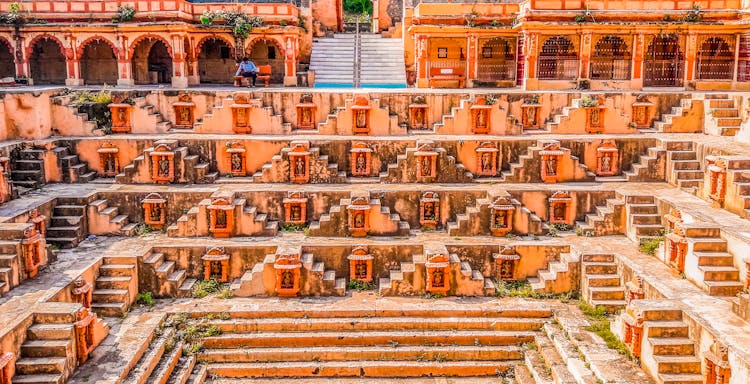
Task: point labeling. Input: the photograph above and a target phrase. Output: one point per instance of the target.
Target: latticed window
(664, 64)
(743, 66)
(716, 58)
(497, 60)
(611, 59)
(558, 59)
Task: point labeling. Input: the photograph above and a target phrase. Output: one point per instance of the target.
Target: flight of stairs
(115, 287)
(404, 170)
(668, 346)
(643, 220)
(335, 222)
(332, 59)
(9, 266)
(521, 172)
(67, 223)
(27, 168)
(410, 278)
(381, 61)
(683, 167)
(677, 113)
(320, 169)
(106, 220)
(723, 110)
(601, 284)
(605, 220)
(72, 169)
(169, 280)
(715, 270)
(561, 270)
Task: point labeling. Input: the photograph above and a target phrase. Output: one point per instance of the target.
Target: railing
(610, 69)
(497, 71)
(633, 5)
(442, 64)
(555, 68)
(743, 70)
(716, 69)
(663, 73)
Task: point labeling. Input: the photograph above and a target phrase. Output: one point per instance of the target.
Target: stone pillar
(194, 77)
(375, 16)
(20, 58)
(691, 43)
(124, 65)
(420, 50)
(639, 42)
(73, 63)
(290, 61)
(530, 58)
(585, 55)
(179, 65)
(471, 60)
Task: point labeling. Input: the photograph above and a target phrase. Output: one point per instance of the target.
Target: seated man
(247, 69)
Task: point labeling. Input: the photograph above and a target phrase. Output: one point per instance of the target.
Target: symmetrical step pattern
(669, 347)
(336, 221)
(602, 285)
(116, 286)
(319, 168)
(332, 59)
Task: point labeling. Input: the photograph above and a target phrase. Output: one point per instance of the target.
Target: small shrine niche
(486, 157)
(33, 246)
(633, 335)
(121, 114)
(361, 116)
(220, 217)
(154, 210)
(560, 204)
(359, 216)
(595, 117)
(418, 110)
(287, 268)
(531, 112)
(82, 292)
(216, 265)
(38, 219)
(552, 156)
(360, 265)
(634, 290)
(109, 159)
(717, 173)
(506, 262)
(162, 164)
(501, 220)
(426, 162)
(641, 117)
(84, 333)
(184, 112)
(235, 157)
(6, 363)
(438, 274)
(306, 112)
(295, 208)
(673, 218)
(716, 359)
(299, 163)
(480, 116)
(361, 157)
(429, 210)
(241, 111)
(607, 159)
(675, 245)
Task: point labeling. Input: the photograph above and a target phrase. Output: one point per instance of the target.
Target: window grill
(497, 60)
(558, 59)
(611, 59)
(743, 66)
(664, 64)
(716, 58)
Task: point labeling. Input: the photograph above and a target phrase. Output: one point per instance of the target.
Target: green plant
(359, 285)
(101, 97)
(13, 16)
(588, 102)
(225, 293)
(495, 23)
(490, 99)
(694, 15)
(283, 23)
(144, 299)
(240, 23)
(580, 18)
(358, 6)
(205, 287)
(124, 13)
(649, 245)
(599, 320)
(293, 227)
(302, 23)
(143, 229)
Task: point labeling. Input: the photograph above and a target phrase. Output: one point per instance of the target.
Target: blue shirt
(246, 67)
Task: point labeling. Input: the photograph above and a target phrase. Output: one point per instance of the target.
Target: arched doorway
(497, 60)
(98, 63)
(716, 59)
(151, 62)
(47, 62)
(558, 59)
(216, 63)
(664, 64)
(267, 52)
(7, 62)
(611, 59)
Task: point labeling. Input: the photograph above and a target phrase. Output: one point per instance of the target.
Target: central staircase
(332, 60)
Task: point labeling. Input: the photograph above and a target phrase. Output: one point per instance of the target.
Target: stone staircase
(106, 220)
(683, 167)
(71, 167)
(476, 219)
(643, 220)
(558, 276)
(737, 198)
(527, 168)
(712, 266)
(27, 168)
(651, 166)
(669, 348)
(10, 266)
(188, 168)
(381, 61)
(116, 286)
(678, 116)
(723, 111)
(601, 282)
(67, 224)
(336, 223)
(149, 117)
(315, 279)
(333, 59)
(168, 280)
(263, 118)
(411, 277)
(606, 220)
(447, 167)
(319, 168)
